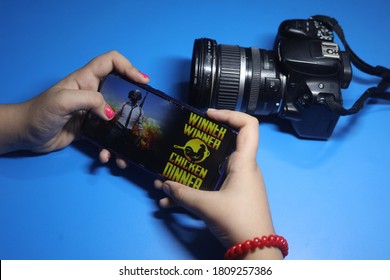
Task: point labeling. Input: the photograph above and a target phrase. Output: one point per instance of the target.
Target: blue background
(330, 199)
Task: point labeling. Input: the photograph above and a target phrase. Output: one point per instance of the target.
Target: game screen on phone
(161, 135)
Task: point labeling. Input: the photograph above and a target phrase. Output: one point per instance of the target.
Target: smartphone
(154, 131)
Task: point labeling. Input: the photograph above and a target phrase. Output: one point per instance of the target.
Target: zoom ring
(229, 81)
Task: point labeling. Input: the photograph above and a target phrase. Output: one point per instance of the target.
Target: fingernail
(144, 76)
(109, 112)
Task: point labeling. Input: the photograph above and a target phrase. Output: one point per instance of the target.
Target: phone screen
(162, 135)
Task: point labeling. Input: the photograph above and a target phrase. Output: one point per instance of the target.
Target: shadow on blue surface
(198, 241)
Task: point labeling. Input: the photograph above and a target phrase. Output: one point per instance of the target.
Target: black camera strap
(380, 91)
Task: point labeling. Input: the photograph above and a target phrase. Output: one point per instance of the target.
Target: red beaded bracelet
(243, 248)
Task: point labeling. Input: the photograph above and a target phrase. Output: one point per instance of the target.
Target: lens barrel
(203, 72)
(235, 78)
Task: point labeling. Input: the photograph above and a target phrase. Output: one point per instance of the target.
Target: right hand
(239, 210)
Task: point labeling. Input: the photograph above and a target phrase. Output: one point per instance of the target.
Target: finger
(104, 64)
(104, 156)
(248, 126)
(165, 202)
(121, 163)
(235, 119)
(89, 76)
(68, 101)
(187, 197)
(158, 184)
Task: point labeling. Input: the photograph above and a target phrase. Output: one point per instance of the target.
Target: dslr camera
(293, 81)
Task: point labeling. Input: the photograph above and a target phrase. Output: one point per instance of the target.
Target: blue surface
(330, 199)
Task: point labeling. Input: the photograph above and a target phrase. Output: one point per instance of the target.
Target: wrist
(250, 230)
(13, 127)
(250, 221)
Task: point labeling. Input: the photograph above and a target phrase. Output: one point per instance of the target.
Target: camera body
(314, 67)
(291, 81)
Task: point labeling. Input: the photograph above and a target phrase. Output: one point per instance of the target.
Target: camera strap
(374, 92)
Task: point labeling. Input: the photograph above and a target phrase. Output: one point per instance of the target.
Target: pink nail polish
(109, 112)
(144, 76)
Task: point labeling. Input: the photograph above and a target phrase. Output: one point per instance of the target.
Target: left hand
(55, 116)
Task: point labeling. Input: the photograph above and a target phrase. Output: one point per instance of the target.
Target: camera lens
(235, 78)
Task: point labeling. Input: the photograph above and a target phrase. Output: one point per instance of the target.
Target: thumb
(187, 197)
(86, 100)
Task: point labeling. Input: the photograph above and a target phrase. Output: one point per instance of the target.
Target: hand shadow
(198, 240)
